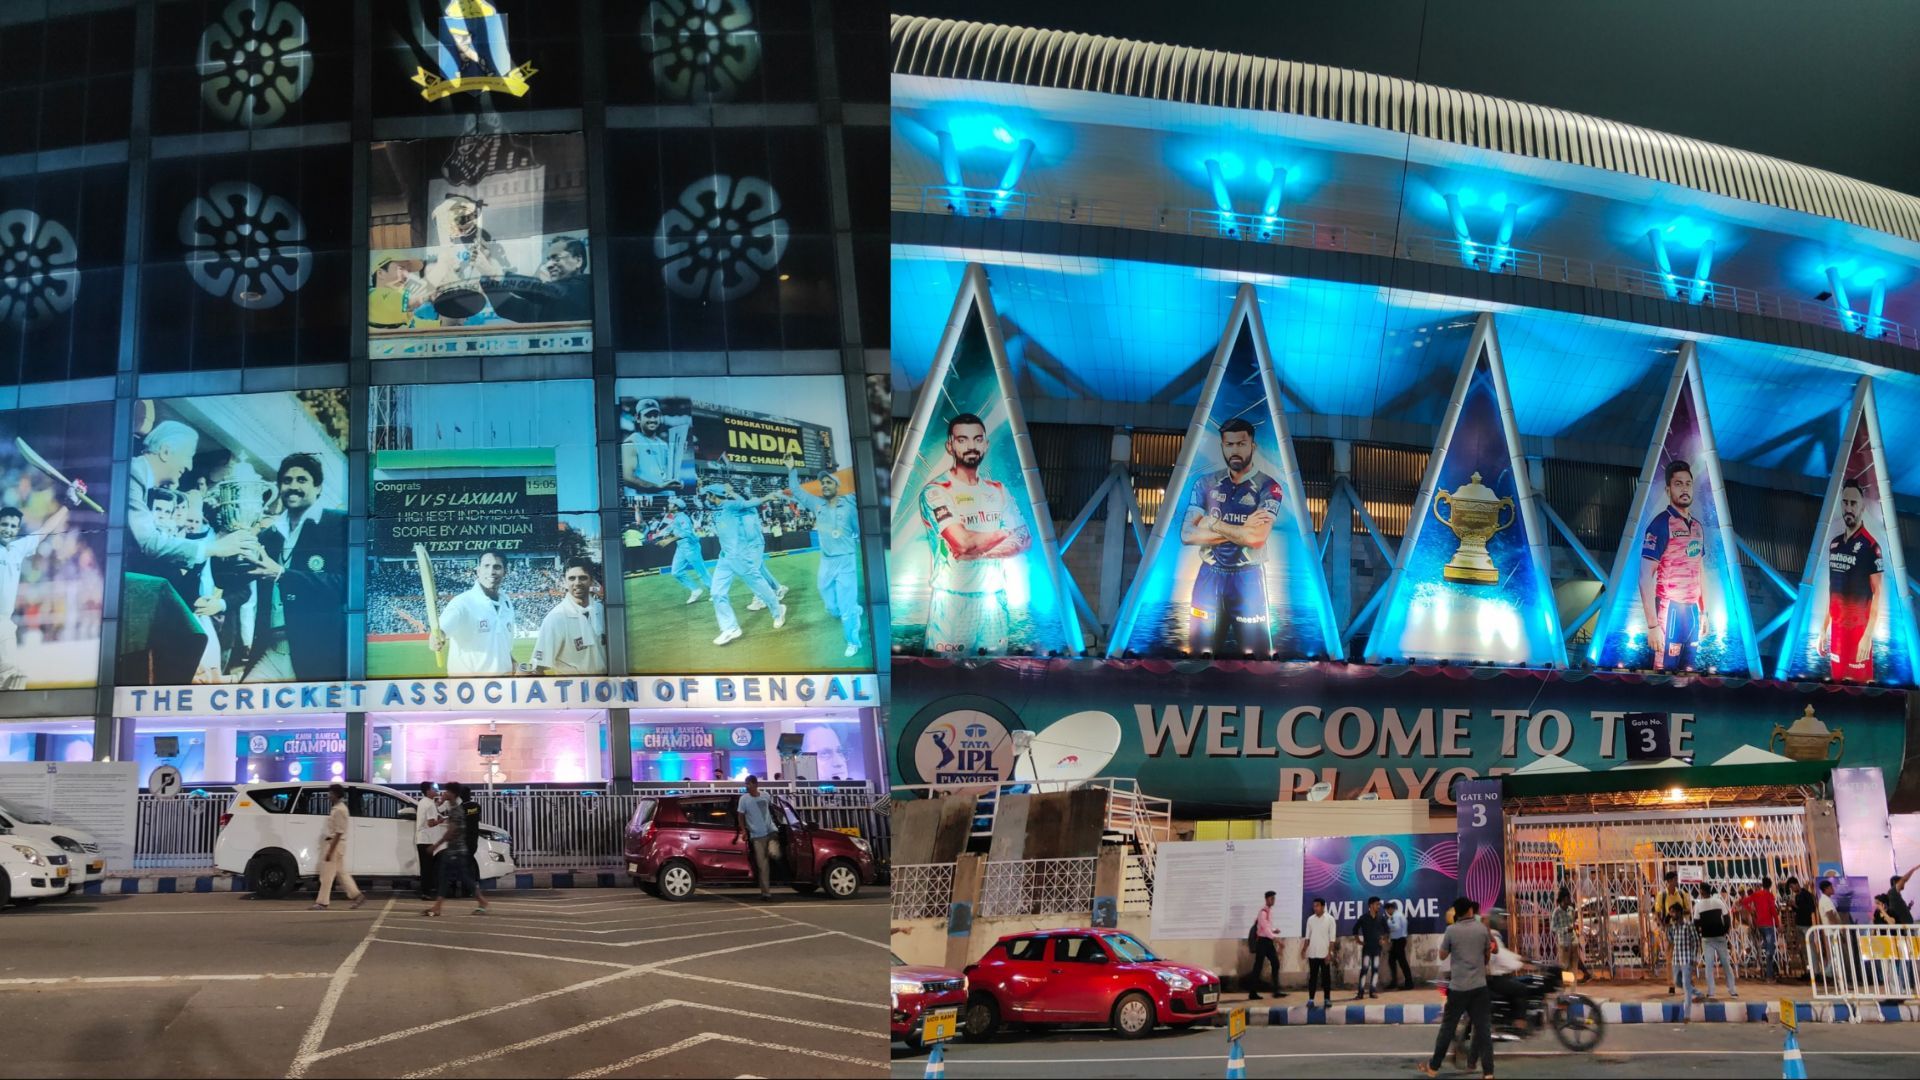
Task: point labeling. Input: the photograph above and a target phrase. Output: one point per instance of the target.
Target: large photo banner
(54, 467)
(1235, 736)
(1852, 620)
(1677, 598)
(972, 566)
(479, 247)
(236, 540)
(1213, 889)
(1233, 568)
(475, 568)
(742, 544)
(1471, 579)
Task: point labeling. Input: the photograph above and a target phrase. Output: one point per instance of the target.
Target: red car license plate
(1208, 994)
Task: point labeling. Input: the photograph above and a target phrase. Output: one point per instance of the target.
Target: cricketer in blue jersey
(837, 521)
(1229, 517)
(736, 521)
(689, 567)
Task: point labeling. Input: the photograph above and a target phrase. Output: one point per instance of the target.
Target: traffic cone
(1791, 1067)
(1236, 1062)
(936, 1063)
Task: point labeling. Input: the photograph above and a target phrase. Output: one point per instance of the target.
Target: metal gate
(1613, 863)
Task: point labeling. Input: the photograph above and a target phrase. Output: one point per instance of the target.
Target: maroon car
(1084, 976)
(677, 842)
(918, 990)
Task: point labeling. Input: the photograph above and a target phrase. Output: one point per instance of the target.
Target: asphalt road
(1735, 1051)
(593, 982)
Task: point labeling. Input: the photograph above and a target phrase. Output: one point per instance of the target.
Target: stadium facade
(380, 377)
(1321, 432)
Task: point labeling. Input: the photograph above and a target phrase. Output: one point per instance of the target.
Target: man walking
(333, 852)
(1670, 894)
(1714, 921)
(1761, 907)
(1321, 932)
(1397, 969)
(455, 868)
(1684, 942)
(428, 825)
(468, 821)
(1566, 933)
(1264, 949)
(755, 823)
(1371, 929)
(1466, 946)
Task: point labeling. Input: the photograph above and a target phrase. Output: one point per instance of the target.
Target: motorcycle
(1548, 1003)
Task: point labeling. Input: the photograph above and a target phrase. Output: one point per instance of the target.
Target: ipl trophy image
(1474, 517)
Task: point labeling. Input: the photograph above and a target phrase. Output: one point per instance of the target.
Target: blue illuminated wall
(1442, 602)
(1851, 619)
(1195, 593)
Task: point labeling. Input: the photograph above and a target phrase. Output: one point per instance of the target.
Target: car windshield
(22, 814)
(897, 962)
(1126, 947)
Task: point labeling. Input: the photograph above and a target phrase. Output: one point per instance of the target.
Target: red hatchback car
(677, 842)
(1084, 977)
(918, 990)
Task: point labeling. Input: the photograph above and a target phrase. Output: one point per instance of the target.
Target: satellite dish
(1367, 796)
(1320, 792)
(1069, 751)
(1022, 739)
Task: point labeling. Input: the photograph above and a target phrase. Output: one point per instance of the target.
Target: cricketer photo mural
(1677, 602)
(741, 544)
(54, 468)
(1471, 579)
(476, 567)
(1232, 568)
(1851, 621)
(973, 566)
(236, 540)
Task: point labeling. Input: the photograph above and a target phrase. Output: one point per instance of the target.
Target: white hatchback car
(84, 861)
(271, 833)
(30, 870)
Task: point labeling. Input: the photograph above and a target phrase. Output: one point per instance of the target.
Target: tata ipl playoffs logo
(964, 747)
(1380, 866)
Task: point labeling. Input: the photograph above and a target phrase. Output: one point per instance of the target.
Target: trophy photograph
(1474, 516)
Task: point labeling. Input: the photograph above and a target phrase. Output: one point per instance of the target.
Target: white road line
(733, 984)
(707, 1037)
(317, 1030)
(503, 952)
(775, 913)
(1131, 1059)
(256, 911)
(420, 1029)
(160, 980)
(593, 1025)
(674, 925)
(577, 941)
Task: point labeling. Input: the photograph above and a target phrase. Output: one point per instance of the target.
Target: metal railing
(1038, 887)
(571, 830)
(922, 890)
(1863, 965)
(1449, 251)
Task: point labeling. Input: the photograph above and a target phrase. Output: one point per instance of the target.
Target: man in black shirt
(1371, 929)
(470, 822)
(1805, 903)
(1897, 905)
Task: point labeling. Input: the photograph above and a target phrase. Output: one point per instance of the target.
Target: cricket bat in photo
(40, 463)
(432, 598)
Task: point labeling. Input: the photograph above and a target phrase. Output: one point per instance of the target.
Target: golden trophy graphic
(1475, 517)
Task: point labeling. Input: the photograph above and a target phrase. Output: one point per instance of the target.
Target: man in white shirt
(333, 852)
(573, 636)
(428, 825)
(1503, 965)
(15, 550)
(476, 629)
(1714, 920)
(1322, 929)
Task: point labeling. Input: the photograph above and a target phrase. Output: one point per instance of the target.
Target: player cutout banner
(1851, 620)
(974, 565)
(1232, 568)
(1678, 567)
(1470, 582)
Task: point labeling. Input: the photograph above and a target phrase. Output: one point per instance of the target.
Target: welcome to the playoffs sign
(499, 695)
(1239, 735)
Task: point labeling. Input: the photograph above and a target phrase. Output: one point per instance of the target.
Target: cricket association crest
(472, 54)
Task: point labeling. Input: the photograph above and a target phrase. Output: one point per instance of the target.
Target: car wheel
(912, 1041)
(1132, 1015)
(6, 890)
(982, 1019)
(676, 880)
(841, 879)
(273, 874)
(806, 888)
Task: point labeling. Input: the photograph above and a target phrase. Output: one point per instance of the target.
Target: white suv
(30, 870)
(272, 834)
(84, 860)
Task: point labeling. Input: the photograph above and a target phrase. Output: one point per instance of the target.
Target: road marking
(503, 952)
(156, 980)
(577, 941)
(593, 1025)
(317, 1031)
(638, 969)
(802, 922)
(574, 927)
(92, 915)
(770, 989)
(973, 1062)
(710, 1036)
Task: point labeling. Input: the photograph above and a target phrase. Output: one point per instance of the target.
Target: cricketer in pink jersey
(1672, 573)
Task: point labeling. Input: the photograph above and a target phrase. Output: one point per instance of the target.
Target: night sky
(1834, 85)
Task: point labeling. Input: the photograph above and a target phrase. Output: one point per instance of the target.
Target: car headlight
(861, 844)
(29, 854)
(904, 986)
(68, 843)
(1175, 980)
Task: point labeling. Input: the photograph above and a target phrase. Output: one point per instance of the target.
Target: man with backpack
(1711, 917)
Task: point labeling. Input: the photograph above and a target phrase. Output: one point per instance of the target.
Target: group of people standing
(1382, 930)
(446, 833)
